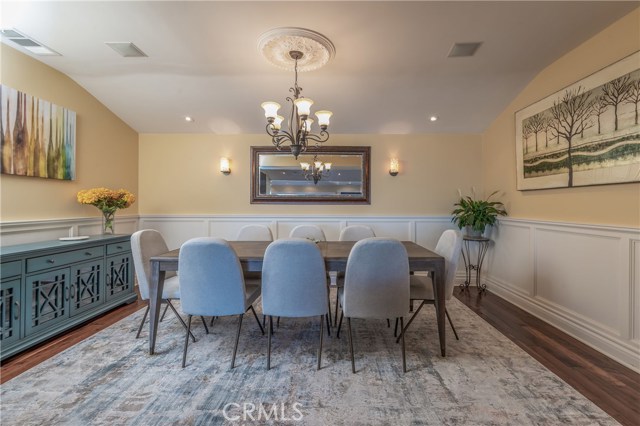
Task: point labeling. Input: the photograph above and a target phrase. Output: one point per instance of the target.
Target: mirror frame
(257, 198)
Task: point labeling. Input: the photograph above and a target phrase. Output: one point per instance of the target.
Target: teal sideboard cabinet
(51, 286)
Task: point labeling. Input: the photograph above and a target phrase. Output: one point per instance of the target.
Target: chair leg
(329, 304)
(321, 335)
(278, 323)
(451, 323)
(395, 329)
(339, 325)
(410, 321)
(186, 343)
(181, 320)
(204, 322)
(328, 323)
(144, 318)
(256, 317)
(404, 356)
(235, 347)
(353, 360)
(164, 313)
(269, 343)
(388, 323)
(337, 305)
(211, 323)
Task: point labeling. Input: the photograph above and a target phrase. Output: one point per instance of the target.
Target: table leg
(155, 299)
(438, 291)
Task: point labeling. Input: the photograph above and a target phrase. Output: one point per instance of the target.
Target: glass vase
(108, 222)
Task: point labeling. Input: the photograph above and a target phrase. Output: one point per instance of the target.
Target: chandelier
(316, 170)
(296, 46)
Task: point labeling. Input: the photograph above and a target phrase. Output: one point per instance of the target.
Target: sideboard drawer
(118, 247)
(10, 269)
(45, 262)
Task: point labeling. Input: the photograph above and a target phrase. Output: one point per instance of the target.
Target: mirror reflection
(338, 174)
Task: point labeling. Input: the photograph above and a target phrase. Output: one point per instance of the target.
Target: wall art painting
(585, 134)
(37, 137)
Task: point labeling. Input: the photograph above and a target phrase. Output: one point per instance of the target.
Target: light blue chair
(145, 244)
(212, 284)
(295, 288)
(449, 246)
(376, 285)
(350, 233)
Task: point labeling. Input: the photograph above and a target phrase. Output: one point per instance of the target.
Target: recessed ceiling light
(188, 118)
(433, 118)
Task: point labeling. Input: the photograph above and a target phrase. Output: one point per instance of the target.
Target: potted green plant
(476, 215)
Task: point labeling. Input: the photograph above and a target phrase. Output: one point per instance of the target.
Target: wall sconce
(224, 166)
(394, 166)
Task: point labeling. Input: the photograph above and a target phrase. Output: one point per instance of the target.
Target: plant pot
(470, 232)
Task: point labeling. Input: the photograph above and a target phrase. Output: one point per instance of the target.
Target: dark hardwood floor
(611, 386)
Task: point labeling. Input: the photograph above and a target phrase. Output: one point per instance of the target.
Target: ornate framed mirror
(335, 175)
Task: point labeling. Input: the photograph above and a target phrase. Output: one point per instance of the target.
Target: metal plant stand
(483, 245)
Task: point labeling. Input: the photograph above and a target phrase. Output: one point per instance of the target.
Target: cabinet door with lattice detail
(87, 286)
(119, 279)
(10, 311)
(47, 300)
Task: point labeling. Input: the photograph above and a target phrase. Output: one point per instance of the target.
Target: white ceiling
(390, 72)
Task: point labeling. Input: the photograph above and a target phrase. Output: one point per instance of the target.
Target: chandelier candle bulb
(307, 124)
(277, 122)
(327, 167)
(394, 166)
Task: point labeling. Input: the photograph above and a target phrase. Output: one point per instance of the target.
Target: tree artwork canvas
(585, 134)
(37, 138)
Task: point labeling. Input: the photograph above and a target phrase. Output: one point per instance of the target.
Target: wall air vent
(126, 49)
(27, 43)
(461, 50)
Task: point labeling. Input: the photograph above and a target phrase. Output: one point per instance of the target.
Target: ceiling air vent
(27, 43)
(461, 50)
(127, 49)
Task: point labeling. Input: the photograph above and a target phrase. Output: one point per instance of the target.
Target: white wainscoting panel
(583, 279)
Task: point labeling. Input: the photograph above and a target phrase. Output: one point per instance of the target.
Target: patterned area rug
(109, 379)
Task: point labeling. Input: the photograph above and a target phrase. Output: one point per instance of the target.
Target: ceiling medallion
(276, 44)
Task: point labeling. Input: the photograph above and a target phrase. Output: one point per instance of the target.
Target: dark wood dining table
(335, 253)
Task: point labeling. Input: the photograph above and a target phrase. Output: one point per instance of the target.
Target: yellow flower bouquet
(108, 201)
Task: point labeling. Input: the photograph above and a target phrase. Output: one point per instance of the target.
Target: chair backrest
(211, 280)
(356, 233)
(310, 232)
(377, 279)
(449, 246)
(254, 233)
(294, 282)
(145, 244)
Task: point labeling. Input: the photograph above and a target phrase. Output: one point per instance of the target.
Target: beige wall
(179, 174)
(106, 148)
(610, 204)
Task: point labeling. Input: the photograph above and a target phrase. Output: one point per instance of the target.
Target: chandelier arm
(279, 139)
(320, 138)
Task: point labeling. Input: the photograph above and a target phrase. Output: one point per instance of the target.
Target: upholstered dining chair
(350, 233)
(313, 233)
(294, 289)
(145, 244)
(212, 284)
(449, 246)
(310, 232)
(376, 285)
(254, 233)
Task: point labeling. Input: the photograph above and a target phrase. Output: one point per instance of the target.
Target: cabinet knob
(119, 247)
(16, 313)
(87, 253)
(51, 261)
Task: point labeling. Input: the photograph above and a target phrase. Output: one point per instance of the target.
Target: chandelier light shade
(309, 50)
